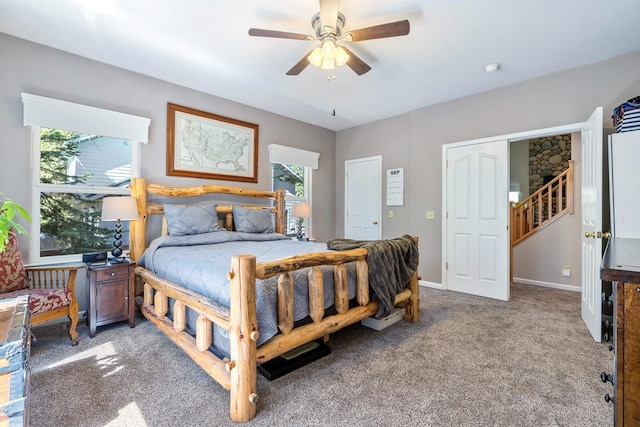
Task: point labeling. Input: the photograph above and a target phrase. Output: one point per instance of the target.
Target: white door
(591, 136)
(477, 218)
(363, 198)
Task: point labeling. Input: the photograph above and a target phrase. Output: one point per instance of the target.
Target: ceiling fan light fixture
(315, 58)
(327, 64)
(341, 57)
(328, 33)
(328, 49)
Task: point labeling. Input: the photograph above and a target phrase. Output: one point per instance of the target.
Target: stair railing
(543, 207)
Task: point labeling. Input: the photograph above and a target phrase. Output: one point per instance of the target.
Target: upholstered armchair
(51, 290)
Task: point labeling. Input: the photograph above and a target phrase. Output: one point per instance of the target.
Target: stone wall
(548, 157)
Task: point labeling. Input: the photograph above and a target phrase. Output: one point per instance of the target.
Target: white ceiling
(204, 45)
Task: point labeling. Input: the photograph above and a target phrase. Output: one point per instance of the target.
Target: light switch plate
(431, 215)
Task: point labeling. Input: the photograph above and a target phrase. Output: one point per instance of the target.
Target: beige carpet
(470, 361)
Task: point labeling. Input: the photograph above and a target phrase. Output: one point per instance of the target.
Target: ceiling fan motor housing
(325, 31)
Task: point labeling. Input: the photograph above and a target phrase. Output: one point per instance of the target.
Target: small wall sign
(395, 187)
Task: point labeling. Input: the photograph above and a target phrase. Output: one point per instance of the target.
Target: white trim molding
(548, 284)
(293, 156)
(431, 285)
(53, 113)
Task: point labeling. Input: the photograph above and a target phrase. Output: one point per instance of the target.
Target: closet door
(477, 218)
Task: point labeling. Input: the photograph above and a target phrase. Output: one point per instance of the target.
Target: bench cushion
(42, 300)
(12, 274)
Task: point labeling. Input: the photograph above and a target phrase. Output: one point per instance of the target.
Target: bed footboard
(322, 325)
(239, 374)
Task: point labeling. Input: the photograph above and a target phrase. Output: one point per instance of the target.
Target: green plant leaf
(8, 212)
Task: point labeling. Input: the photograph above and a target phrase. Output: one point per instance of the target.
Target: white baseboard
(430, 284)
(548, 284)
(439, 286)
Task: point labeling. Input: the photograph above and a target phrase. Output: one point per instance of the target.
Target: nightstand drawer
(112, 273)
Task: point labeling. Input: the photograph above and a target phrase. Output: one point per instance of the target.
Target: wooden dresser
(621, 265)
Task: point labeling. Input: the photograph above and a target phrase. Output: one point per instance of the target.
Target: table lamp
(116, 209)
(301, 211)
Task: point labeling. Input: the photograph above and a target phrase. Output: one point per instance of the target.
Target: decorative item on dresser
(110, 294)
(621, 264)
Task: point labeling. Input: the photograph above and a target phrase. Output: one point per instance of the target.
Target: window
(74, 168)
(291, 170)
(75, 171)
(296, 181)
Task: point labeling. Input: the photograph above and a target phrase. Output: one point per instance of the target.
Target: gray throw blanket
(391, 264)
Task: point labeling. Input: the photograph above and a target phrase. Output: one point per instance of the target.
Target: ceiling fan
(328, 26)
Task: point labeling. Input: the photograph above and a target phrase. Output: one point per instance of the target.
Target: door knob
(590, 234)
(606, 235)
(375, 222)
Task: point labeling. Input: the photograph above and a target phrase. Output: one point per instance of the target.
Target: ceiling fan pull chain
(333, 90)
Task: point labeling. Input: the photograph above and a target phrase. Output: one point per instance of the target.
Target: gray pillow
(252, 220)
(191, 219)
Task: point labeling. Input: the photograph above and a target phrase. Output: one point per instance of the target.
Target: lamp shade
(115, 208)
(301, 210)
(315, 57)
(341, 57)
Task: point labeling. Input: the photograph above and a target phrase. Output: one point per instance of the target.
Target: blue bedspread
(201, 262)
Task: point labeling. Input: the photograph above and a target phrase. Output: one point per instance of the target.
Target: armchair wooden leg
(73, 316)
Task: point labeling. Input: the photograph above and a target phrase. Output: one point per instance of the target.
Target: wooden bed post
(243, 334)
(412, 307)
(279, 228)
(137, 233)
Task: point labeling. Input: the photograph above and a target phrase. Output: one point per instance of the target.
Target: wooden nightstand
(110, 294)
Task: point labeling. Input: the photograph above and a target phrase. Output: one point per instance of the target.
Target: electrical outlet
(431, 215)
(390, 214)
(566, 272)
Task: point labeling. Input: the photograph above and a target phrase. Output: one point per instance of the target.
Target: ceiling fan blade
(356, 64)
(329, 13)
(301, 65)
(392, 29)
(278, 34)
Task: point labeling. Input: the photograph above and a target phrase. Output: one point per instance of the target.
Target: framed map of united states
(206, 145)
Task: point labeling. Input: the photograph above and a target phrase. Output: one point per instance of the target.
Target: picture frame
(210, 146)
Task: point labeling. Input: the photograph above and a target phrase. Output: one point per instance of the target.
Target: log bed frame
(239, 374)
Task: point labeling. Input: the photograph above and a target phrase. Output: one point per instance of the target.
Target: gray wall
(414, 140)
(36, 69)
(519, 171)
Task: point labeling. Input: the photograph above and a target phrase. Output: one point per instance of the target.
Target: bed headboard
(140, 190)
